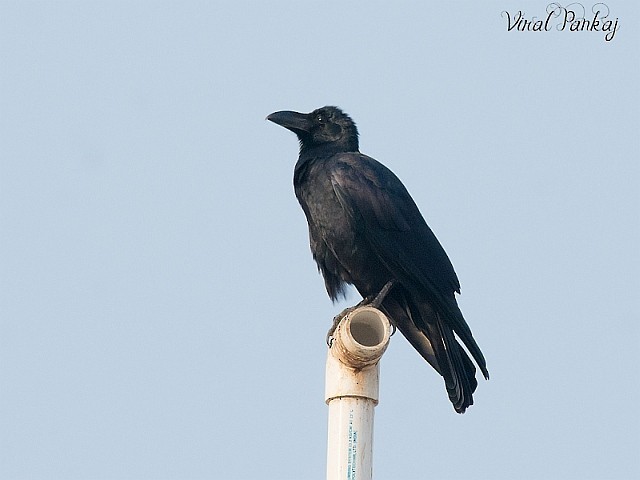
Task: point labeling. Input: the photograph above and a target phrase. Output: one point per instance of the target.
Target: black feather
(365, 230)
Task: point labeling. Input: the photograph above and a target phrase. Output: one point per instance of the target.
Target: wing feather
(382, 208)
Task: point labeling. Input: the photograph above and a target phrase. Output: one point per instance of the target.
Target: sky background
(160, 313)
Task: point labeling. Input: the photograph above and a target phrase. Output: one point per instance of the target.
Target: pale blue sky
(160, 313)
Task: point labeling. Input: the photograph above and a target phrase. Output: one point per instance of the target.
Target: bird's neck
(312, 154)
(311, 150)
(302, 168)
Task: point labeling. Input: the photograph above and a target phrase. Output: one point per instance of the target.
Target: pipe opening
(367, 329)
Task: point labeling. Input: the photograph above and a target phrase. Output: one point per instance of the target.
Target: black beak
(294, 121)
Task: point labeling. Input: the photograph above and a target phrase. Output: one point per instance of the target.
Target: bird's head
(325, 128)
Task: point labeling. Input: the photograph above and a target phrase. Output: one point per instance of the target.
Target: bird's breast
(337, 244)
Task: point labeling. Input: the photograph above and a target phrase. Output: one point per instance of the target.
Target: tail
(434, 339)
(456, 367)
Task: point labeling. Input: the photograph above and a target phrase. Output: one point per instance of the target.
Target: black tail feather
(436, 341)
(456, 367)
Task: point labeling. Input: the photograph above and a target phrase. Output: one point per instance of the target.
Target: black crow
(366, 230)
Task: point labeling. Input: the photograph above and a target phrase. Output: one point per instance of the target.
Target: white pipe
(351, 391)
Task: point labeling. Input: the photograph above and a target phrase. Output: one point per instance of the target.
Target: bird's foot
(393, 326)
(368, 301)
(336, 321)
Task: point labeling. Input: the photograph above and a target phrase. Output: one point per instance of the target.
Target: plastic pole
(351, 392)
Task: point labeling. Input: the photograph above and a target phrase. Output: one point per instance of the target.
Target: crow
(365, 230)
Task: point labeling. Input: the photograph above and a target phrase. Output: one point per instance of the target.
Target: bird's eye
(320, 119)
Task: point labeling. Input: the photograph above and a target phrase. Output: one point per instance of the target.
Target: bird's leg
(375, 303)
(336, 321)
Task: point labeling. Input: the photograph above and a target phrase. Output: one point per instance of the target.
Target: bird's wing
(381, 206)
(383, 210)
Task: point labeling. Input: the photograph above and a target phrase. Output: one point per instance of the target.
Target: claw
(336, 321)
(376, 302)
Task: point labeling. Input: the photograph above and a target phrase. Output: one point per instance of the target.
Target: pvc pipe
(351, 391)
